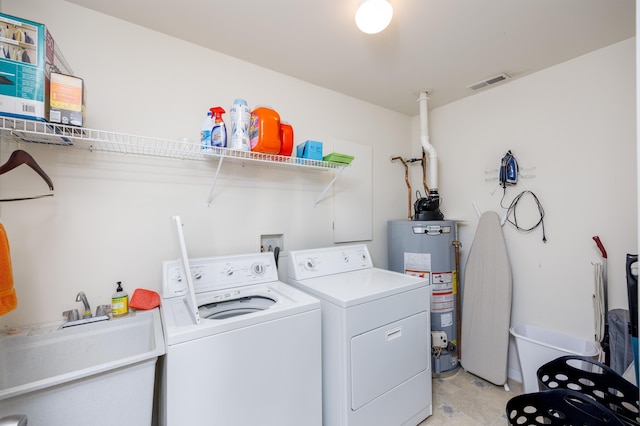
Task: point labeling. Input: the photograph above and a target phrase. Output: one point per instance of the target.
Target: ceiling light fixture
(373, 16)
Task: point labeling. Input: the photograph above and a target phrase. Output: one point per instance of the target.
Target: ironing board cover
(486, 303)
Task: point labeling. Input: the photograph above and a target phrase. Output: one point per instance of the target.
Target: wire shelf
(105, 141)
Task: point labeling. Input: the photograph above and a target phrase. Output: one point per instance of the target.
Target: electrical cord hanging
(511, 210)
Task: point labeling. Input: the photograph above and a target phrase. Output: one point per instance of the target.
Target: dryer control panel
(219, 273)
(304, 264)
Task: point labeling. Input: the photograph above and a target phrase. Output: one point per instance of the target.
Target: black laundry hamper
(560, 407)
(594, 380)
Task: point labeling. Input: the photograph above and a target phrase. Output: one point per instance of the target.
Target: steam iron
(508, 170)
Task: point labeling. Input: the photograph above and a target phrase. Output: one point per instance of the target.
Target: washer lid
(190, 300)
(356, 287)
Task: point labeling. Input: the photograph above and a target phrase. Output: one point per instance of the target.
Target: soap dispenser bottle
(119, 302)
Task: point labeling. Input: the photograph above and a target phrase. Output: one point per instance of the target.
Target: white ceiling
(441, 46)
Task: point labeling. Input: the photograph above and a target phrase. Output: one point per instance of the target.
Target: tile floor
(462, 399)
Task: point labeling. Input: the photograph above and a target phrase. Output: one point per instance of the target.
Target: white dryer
(242, 347)
(375, 337)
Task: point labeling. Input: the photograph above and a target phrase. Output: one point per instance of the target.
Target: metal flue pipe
(424, 141)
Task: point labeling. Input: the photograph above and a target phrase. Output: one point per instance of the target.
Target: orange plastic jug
(286, 136)
(264, 131)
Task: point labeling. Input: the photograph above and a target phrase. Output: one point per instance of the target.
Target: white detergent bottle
(240, 121)
(205, 132)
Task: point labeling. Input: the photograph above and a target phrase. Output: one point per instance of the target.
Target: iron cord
(511, 211)
(26, 198)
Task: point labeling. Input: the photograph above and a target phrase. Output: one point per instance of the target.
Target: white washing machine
(375, 337)
(242, 347)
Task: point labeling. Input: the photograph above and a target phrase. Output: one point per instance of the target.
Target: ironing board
(486, 303)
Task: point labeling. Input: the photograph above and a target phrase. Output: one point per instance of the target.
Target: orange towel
(144, 299)
(8, 299)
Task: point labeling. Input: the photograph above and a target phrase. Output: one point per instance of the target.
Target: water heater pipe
(424, 141)
(406, 179)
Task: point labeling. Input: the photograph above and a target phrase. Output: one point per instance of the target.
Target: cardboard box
(28, 55)
(310, 149)
(66, 99)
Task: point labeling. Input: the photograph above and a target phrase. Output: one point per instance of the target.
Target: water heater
(426, 249)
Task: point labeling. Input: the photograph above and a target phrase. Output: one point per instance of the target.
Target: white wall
(575, 124)
(110, 218)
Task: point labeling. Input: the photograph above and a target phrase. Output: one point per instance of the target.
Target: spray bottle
(219, 130)
(205, 132)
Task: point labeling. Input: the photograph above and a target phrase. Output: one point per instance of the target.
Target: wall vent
(489, 82)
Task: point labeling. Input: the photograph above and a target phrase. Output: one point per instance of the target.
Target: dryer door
(383, 358)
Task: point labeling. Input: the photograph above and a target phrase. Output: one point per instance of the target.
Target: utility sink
(47, 371)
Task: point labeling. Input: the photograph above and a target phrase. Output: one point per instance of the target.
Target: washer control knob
(258, 269)
(175, 276)
(345, 257)
(310, 264)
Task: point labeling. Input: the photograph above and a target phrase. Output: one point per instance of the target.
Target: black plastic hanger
(20, 157)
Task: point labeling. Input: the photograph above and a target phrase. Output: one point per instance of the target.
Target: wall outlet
(269, 242)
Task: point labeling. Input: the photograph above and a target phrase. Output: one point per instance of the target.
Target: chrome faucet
(81, 297)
